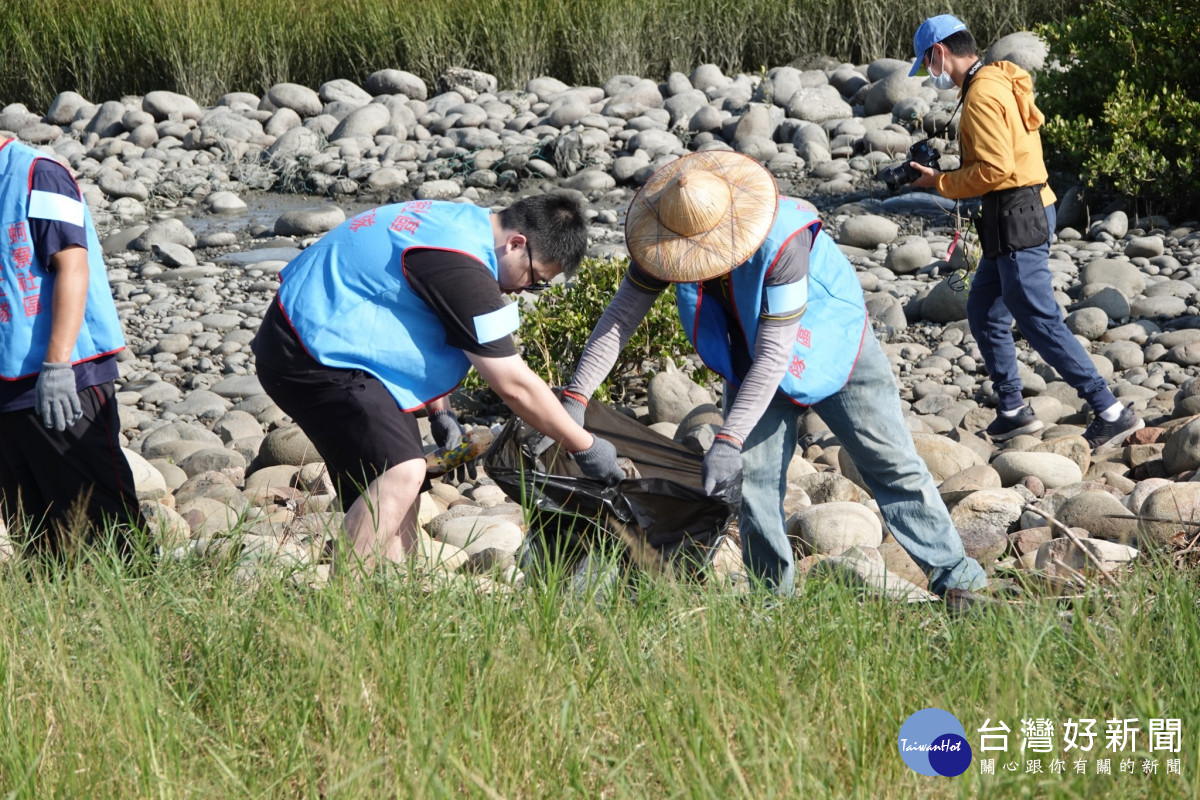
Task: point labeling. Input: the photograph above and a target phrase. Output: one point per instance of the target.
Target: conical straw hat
(700, 216)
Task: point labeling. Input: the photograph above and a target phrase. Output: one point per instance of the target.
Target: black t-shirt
(465, 297)
(460, 290)
(49, 237)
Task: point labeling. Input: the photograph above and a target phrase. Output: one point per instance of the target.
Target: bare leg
(382, 522)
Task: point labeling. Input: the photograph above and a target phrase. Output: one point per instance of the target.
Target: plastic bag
(663, 517)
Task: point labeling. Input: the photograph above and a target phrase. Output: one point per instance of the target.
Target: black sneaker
(1004, 428)
(1101, 434)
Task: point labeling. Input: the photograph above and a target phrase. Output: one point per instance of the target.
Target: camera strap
(961, 97)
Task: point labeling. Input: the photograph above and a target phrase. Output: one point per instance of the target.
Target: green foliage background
(1124, 114)
(555, 329)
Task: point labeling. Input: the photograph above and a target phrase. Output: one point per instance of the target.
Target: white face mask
(942, 81)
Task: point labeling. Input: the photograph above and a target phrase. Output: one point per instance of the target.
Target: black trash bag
(663, 517)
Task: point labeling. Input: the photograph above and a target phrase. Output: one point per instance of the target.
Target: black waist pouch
(1013, 219)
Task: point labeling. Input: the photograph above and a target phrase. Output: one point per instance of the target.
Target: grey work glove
(57, 400)
(576, 407)
(722, 470)
(447, 431)
(448, 434)
(600, 461)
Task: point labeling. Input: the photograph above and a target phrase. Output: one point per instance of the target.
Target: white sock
(1012, 412)
(1111, 413)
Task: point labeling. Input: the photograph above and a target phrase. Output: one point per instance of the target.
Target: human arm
(625, 312)
(57, 234)
(532, 400)
(989, 161)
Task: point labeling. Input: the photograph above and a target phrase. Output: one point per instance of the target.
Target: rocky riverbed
(200, 209)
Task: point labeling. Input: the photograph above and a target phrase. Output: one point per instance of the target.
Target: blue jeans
(865, 416)
(1017, 286)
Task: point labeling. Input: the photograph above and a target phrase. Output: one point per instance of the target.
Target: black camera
(922, 152)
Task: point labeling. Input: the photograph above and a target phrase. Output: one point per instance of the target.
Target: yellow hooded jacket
(998, 132)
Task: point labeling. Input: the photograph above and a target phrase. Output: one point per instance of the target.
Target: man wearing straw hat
(772, 305)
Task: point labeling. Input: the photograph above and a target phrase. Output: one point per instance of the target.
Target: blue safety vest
(352, 307)
(27, 286)
(831, 330)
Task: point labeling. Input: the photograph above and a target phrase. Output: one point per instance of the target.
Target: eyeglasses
(534, 285)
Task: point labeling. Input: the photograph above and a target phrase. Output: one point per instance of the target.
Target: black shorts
(44, 473)
(348, 414)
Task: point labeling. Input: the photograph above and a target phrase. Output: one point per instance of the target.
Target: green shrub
(554, 331)
(1124, 108)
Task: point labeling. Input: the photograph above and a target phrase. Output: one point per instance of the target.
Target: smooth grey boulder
(308, 221)
(164, 104)
(397, 81)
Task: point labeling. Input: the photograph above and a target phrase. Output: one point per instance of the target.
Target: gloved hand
(57, 400)
(448, 434)
(600, 461)
(576, 407)
(722, 470)
(447, 431)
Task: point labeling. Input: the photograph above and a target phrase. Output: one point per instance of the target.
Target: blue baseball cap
(932, 31)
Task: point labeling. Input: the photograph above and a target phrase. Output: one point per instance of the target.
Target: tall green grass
(186, 683)
(203, 48)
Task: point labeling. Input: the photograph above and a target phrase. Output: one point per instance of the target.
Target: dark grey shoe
(1004, 428)
(1101, 434)
(964, 602)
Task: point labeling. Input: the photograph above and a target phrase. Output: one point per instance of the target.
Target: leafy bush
(555, 330)
(1123, 107)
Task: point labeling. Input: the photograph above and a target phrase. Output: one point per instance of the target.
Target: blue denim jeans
(865, 416)
(1017, 286)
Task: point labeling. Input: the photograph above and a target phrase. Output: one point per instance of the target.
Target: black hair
(554, 225)
(959, 43)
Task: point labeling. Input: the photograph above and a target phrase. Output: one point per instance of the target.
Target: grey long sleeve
(628, 308)
(772, 347)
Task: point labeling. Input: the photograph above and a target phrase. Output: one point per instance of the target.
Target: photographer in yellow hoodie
(1002, 163)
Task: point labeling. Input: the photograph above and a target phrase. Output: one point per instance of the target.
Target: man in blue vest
(773, 307)
(384, 316)
(59, 335)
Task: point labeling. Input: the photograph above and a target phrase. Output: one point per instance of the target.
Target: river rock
(1095, 512)
(909, 255)
(1117, 273)
(309, 221)
(163, 104)
(995, 510)
(672, 395)
(170, 530)
(830, 487)
(867, 231)
(148, 482)
(1057, 553)
(827, 527)
(287, 445)
(1023, 48)
(944, 457)
(1182, 449)
(488, 541)
(1052, 469)
(170, 231)
(1168, 512)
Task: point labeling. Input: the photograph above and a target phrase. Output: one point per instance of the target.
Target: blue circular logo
(933, 742)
